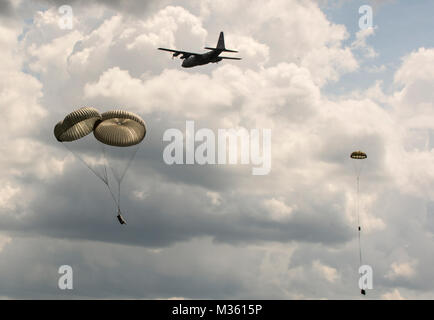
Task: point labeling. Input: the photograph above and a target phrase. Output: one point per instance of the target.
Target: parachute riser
(358, 217)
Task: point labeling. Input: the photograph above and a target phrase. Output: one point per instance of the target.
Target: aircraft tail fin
(221, 44)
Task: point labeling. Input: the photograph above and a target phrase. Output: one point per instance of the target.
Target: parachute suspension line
(106, 163)
(105, 169)
(106, 178)
(119, 197)
(136, 148)
(103, 178)
(130, 161)
(113, 196)
(358, 218)
(120, 177)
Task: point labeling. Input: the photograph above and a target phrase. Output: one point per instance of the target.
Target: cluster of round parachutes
(118, 134)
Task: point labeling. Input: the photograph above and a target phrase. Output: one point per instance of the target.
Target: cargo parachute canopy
(120, 129)
(118, 134)
(77, 124)
(359, 155)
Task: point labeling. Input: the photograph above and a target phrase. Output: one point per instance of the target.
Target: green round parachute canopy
(77, 124)
(120, 128)
(359, 155)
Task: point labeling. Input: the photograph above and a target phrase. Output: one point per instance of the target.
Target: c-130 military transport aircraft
(192, 59)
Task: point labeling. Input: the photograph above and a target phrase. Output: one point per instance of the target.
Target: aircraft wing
(231, 58)
(185, 54)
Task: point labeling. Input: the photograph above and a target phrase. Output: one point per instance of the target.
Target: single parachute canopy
(120, 128)
(359, 155)
(77, 124)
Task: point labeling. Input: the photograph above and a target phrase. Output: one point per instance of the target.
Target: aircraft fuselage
(198, 60)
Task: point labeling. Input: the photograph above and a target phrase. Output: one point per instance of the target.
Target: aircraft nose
(186, 64)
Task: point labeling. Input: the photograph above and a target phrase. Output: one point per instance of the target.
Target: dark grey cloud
(78, 205)
(112, 271)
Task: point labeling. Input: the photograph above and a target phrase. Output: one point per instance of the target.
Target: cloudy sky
(323, 86)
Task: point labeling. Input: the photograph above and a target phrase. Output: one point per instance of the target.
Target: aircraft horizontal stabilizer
(224, 50)
(230, 58)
